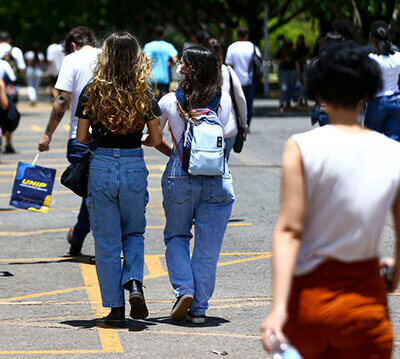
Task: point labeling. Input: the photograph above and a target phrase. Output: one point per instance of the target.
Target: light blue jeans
(117, 198)
(205, 202)
(229, 142)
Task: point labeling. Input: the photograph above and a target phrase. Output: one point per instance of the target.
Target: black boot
(116, 318)
(136, 299)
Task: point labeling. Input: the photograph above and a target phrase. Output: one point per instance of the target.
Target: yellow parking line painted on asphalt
(109, 337)
(36, 128)
(42, 294)
(27, 260)
(153, 264)
(58, 230)
(35, 352)
(243, 260)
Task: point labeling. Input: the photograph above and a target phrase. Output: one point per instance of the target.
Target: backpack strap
(175, 144)
(213, 105)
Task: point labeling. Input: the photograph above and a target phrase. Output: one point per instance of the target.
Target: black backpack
(256, 65)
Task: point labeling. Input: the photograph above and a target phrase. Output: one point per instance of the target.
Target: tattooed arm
(60, 105)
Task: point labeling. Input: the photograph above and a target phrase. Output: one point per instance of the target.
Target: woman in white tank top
(383, 111)
(338, 184)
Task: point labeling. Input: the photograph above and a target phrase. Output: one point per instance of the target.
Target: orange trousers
(340, 311)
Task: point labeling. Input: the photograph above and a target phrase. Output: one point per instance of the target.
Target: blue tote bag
(32, 187)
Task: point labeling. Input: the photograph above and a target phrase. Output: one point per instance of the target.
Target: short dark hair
(344, 27)
(159, 31)
(379, 35)
(215, 47)
(343, 75)
(242, 31)
(4, 35)
(81, 36)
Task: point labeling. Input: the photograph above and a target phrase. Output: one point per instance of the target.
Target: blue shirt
(160, 52)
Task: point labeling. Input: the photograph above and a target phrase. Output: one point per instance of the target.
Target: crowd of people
(339, 181)
(18, 68)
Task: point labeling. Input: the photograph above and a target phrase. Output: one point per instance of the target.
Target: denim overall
(117, 199)
(204, 202)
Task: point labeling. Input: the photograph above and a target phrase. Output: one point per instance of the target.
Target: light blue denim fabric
(117, 203)
(205, 202)
(229, 142)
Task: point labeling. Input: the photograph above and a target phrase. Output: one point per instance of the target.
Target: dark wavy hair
(380, 38)
(343, 76)
(204, 81)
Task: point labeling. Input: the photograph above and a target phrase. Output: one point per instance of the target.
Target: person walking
(54, 56)
(239, 56)
(302, 55)
(34, 70)
(232, 86)
(383, 111)
(205, 201)
(287, 74)
(14, 56)
(339, 182)
(117, 105)
(76, 71)
(163, 55)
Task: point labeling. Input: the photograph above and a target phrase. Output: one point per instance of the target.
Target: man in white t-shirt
(54, 56)
(240, 56)
(75, 72)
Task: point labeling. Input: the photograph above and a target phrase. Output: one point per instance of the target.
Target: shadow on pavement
(210, 322)
(80, 259)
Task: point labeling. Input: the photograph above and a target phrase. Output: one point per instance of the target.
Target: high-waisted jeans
(117, 198)
(205, 202)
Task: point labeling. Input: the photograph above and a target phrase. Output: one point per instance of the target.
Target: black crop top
(110, 140)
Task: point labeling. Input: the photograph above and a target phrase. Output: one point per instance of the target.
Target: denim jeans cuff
(197, 312)
(114, 304)
(180, 293)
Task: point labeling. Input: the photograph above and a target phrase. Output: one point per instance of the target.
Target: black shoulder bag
(76, 176)
(239, 140)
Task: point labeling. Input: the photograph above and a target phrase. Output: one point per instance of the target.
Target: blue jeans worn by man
(287, 82)
(249, 93)
(383, 115)
(206, 202)
(117, 199)
(75, 151)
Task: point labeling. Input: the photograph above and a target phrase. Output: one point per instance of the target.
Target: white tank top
(351, 182)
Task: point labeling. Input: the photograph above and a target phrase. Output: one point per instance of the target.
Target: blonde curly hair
(120, 96)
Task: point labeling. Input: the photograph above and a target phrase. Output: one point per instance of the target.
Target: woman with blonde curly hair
(117, 105)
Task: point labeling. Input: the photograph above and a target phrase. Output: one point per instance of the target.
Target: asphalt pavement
(49, 301)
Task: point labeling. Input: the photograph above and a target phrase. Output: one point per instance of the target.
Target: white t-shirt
(390, 68)
(16, 53)
(231, 128)
(239, 55)
(55, 55)
(351, 182)
(6, 69)
(76, 71)
(170, 114)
